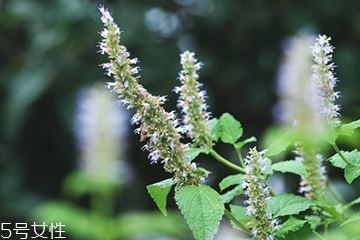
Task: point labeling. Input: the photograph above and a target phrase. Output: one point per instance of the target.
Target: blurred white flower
(101, 128)
(299, 104)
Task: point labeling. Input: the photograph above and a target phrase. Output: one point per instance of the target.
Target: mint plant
(101, 128)
(310, 124)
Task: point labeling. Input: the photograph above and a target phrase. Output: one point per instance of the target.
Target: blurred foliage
(48, 52)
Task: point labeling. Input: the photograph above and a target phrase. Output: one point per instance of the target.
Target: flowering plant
(310, 123)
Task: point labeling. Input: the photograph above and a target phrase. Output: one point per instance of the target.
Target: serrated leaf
(230, 181)
(337, 161)
(214, 128)
(288, 204)
(313, 221)
(202, 209)
(304, 233)
(291, 166)
(352, 169)
(353, 157)
(229, 195)
(349, 128)
(240, 214)
(159, 192)
(291, 225)
(230, 129)
(354, 218)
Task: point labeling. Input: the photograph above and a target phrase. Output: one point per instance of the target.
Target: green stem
(235, 221)
(352, 203)
(238, 152)
(317, 235)
(221, 159)
(336, 148)
(334, 213)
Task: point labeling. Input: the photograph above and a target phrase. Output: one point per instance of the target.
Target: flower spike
(263, 224)
(324, 79)
(192, 101)
(158, 126)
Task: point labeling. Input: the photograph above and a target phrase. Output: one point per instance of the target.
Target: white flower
(263, 224)
(299, 105)
(157, 126)
(106, 16)
(324, 80)
(192, 101)
(101, 129)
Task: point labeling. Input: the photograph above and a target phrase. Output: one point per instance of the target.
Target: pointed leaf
(349, 128)
(292, 224)
(352, 169)
(202, 208)
(230, 181)
(288, 204)
(229, 196)
(240, 144)
(192, 153)
(159, 192)
(291, 166)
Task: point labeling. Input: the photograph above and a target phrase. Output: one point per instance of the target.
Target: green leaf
(230, 129)
(229, 196)
(280, 142)
(288, 204)
(330, 135)
(354, 218)
(77, 184)
(352, 172)
(337, 161)
(202, 208)
(240, 144)
(215, 129)
(292, 224)
(159, 192)
(353, 157)
(292, 166)
(352, 169)
(230, 181)
(192, 153)
(141, 225)
(240, 214)
(349, 128)
(313, 221)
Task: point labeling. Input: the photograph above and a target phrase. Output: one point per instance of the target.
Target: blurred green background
(48, 52)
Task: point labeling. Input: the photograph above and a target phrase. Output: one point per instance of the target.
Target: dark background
(48, 53)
